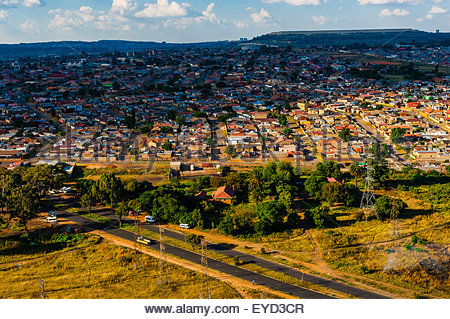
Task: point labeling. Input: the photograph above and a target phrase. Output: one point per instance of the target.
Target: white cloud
(65, 20)
(122, 7)
(419, 19)
(320, 19)
(162, 8)
(437, 10)
(3, 15)
(86, 10)
(182, 22)
(429, 16)
(260, 17)
(27, 26)
(32, 3)
(296, 2)
(208, 14)
(365, 2)
(25, 3)
(396, 12)
(9, 3)
(241, 24)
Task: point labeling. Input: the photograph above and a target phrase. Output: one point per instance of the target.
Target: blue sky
(205, 20)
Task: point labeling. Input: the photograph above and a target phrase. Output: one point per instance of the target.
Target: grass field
(93, 270)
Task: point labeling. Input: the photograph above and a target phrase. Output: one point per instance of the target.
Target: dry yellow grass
(102, 271)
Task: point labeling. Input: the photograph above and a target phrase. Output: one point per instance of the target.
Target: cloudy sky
(205, 20)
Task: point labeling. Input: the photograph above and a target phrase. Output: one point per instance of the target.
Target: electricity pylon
(163, 267)
(205, 292)
(368, 198)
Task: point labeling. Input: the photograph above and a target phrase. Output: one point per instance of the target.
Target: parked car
(51, 219)
(51, 214)
(150, 219)
(143, 240)
(185, 226)
(66, 190)
(72, 229)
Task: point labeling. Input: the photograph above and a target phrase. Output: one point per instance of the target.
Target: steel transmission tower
(368, 198)
(163, 267)
(393, 217)
(205, 292)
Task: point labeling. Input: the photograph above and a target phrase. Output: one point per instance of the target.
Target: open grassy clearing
(102, 271)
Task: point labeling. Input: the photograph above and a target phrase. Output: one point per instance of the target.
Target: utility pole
(368, 198)
(393, 218)
(205, 292)
(163, 267)
(41, 285)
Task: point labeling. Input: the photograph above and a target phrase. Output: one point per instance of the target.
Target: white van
(185, 226)
(51, 219)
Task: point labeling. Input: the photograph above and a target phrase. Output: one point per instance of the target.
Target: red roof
(223, 192)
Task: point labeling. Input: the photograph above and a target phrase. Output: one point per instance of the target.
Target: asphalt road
(193, 257)
(224, 249)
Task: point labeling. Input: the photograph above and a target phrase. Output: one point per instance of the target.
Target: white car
(51, 219)
(185, 226)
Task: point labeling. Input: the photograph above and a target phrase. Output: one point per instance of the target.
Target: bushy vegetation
(23, 188)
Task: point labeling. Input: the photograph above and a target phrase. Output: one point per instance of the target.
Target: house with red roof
(223, 194)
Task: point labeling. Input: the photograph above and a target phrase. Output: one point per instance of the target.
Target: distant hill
(8, 51)
(371, 37)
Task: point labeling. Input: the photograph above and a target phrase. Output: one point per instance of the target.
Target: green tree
(329, 169)
(172, 115)
(180, 120)
(193, 239)
(167, 146)
(379, 163)
(166, 130)
(384, 205)
(44, 177)
(356, 171)
(282, 119)
(345, 134)
(270, 216)
(222, 118)
(313, 186)
(285, 197)
(23, 204)
(397, 135)
(197, 218)
(87, 201)
(230, 150)
(319, 215)
(352, 195)
(110, 187)
(199, 114)
(256, 185)
(333, 192)
(120, 211)
(287, 131)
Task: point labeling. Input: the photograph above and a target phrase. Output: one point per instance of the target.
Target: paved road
(193, 257)
(225, 250)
